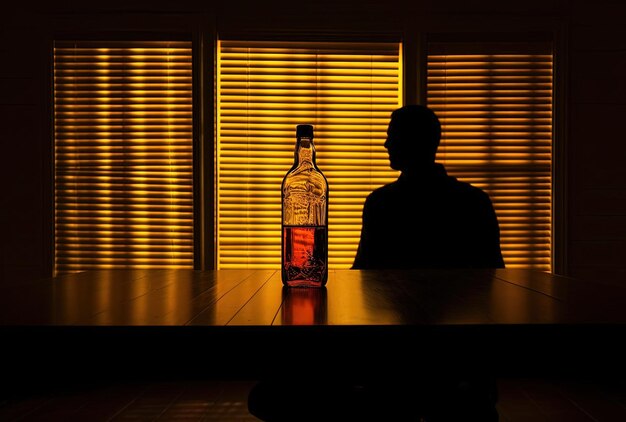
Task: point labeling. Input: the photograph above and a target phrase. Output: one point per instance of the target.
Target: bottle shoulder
(305, 183)
(305, 173)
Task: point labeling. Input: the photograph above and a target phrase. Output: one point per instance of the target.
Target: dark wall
(592, 60)
(25, 215)
(597, 142)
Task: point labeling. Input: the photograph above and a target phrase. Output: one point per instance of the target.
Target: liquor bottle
(304, 217)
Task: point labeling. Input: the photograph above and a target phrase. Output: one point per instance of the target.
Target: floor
(561, 401)
(520, 400)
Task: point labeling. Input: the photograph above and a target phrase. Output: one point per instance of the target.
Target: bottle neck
(305, 152)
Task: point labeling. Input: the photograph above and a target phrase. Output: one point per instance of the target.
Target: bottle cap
(304, 131)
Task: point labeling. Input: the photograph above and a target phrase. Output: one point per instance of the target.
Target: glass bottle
(304, 217)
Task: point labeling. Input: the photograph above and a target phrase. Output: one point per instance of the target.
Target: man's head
(412, 137)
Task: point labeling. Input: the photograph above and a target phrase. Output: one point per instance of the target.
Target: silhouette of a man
(425, 219)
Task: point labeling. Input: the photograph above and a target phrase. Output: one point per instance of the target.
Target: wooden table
(242, 323)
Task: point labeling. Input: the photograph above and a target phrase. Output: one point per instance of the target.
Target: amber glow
(114, 298)
(346, 90)
(304, 307)
(123, 155)
(496, 114)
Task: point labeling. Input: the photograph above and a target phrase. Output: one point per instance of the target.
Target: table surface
(243, 323)
(351, 298)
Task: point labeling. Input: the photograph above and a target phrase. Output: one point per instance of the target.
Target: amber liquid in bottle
(304, 217)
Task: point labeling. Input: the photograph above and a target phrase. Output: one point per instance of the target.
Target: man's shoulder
(468, 192)
(384, 191)
(465, 187)
(449, 187)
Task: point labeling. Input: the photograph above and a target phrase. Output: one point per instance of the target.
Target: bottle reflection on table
(304, 306)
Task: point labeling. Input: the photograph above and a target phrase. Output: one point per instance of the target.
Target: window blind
(495, 106)
(346, 90)
(123, 155)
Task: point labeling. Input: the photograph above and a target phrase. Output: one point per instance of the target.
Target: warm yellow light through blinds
(347, 91)
(123, 155)
(496, 114)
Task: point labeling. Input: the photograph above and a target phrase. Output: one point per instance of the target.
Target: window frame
(556, 36)
(101, 35)
(298, 39)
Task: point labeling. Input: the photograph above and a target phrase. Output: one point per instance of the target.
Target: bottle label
(304, 208)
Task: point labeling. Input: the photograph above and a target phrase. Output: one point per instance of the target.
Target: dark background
(590, 145)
